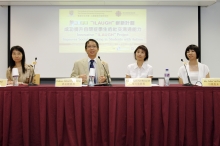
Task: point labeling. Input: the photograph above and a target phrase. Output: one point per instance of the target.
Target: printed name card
(212, 82)
(137, 82)
(3, 82)
(68, 82)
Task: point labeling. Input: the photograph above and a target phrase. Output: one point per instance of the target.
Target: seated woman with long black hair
(17, 60)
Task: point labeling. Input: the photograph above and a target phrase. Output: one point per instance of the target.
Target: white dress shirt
(139, 72)
(94, 64)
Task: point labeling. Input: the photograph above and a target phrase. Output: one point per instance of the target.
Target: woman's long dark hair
(12, 62)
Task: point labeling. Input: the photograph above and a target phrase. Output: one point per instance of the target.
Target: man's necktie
(92, 66)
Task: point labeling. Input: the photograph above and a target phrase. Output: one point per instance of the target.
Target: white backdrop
(210, 38)
(3, 41)
(169, 31)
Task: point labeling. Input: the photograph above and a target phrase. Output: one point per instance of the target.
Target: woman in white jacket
(196, 70)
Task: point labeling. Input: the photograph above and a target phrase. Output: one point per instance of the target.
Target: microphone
(189, 82)
(32, 76)
(108, 80)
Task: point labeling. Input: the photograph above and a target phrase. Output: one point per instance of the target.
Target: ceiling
(110, 2)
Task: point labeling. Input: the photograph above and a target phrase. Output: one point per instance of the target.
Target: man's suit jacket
(82, 67)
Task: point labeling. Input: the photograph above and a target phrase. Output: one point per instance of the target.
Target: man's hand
(84, 77)
(102, 79)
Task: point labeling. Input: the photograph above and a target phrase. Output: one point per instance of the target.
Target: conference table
(46, 115)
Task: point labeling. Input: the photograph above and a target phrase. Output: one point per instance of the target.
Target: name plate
(137, 82)
(3, 82)
(68, 82)
(212, 82)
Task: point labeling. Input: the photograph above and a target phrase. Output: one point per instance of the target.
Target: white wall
(169, 32)
(3, 41)
(210, 38)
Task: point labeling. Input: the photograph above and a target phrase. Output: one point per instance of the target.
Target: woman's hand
(21, 83)
(9, 82)
(127, 76)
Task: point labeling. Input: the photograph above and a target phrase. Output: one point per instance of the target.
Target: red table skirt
(109, 116)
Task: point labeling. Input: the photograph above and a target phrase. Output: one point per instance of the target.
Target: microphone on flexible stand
(108, 80)
(32, 76)
(189, 82)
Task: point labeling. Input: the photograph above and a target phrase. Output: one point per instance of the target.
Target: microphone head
(99, 57)
(35, 58)
(182, 60)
